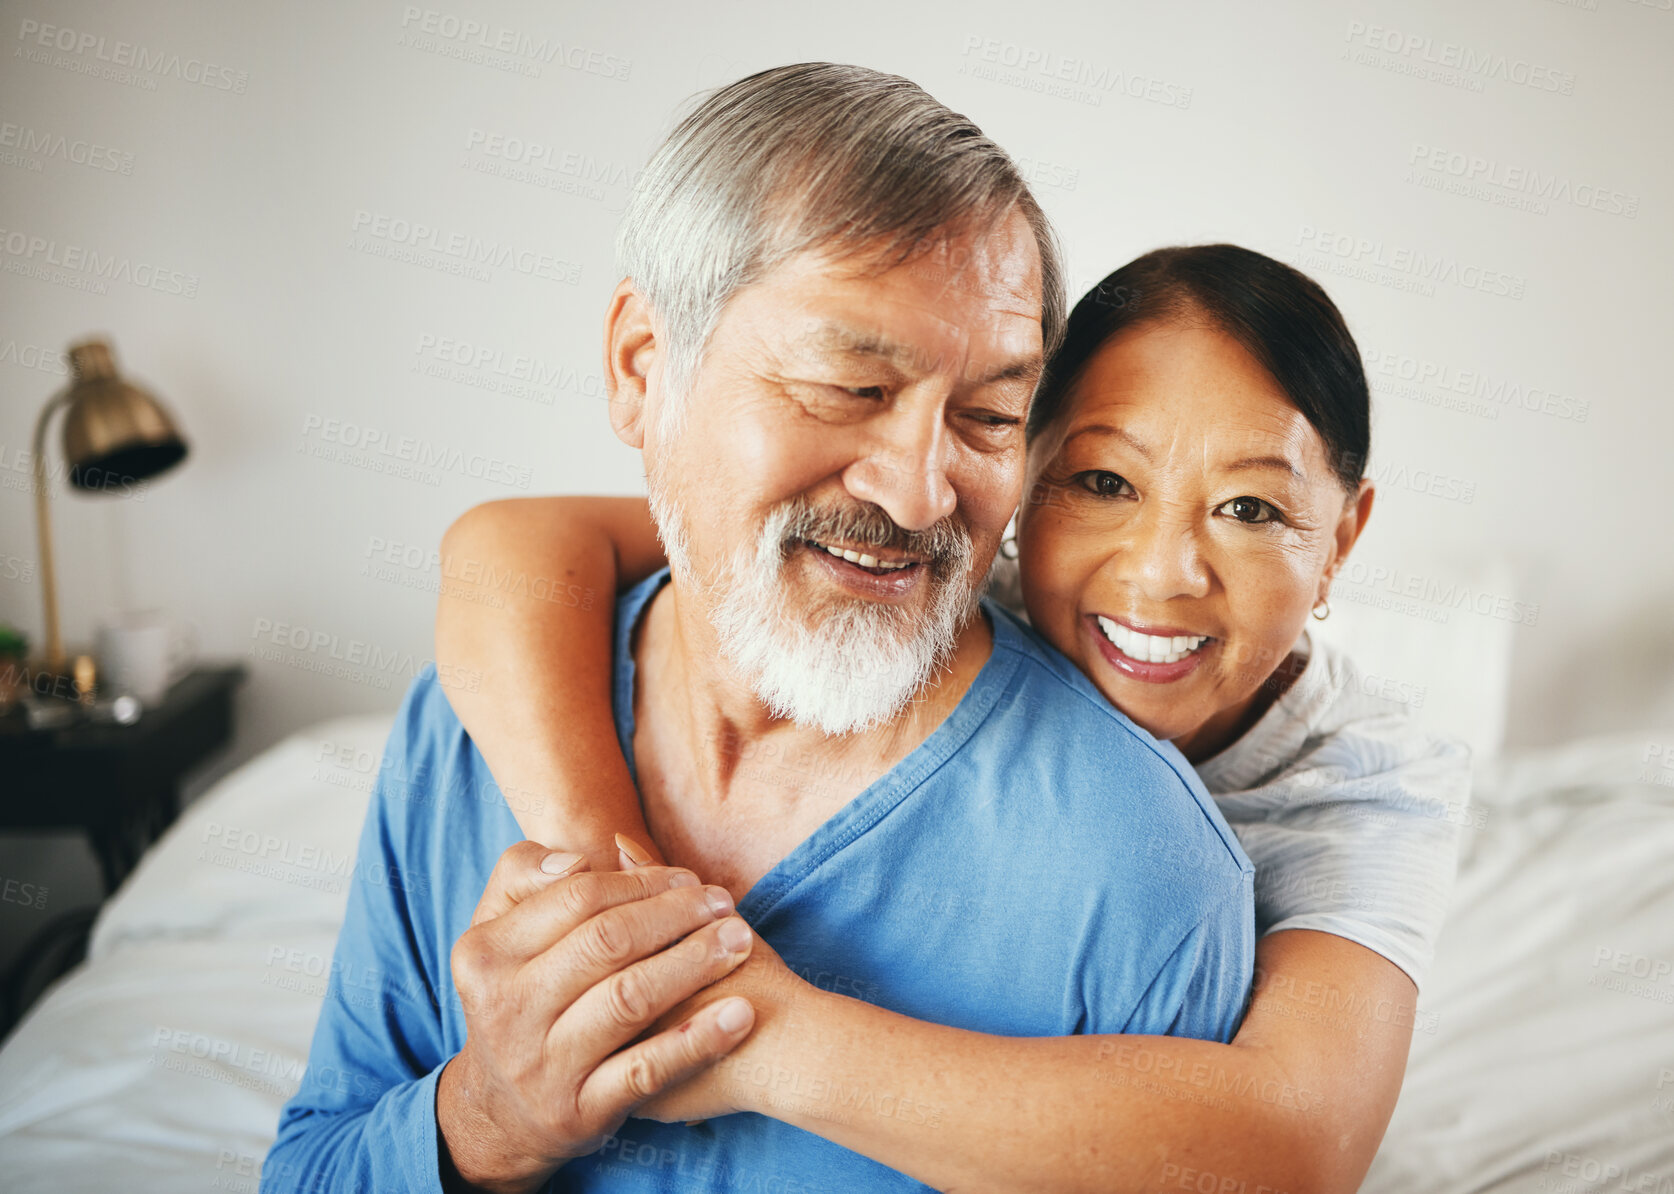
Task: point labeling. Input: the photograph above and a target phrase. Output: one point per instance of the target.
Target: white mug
(143, 653)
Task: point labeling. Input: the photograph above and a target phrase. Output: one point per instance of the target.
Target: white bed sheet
(1539, 1073)
(162, 1063)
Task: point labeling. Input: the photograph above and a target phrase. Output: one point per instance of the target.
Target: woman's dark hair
(1280, 315)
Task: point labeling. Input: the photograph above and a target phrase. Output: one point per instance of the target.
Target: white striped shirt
(1349, 810)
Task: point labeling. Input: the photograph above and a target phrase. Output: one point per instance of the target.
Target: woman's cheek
(1055, 571)
(1243, 663)
(1271, 587)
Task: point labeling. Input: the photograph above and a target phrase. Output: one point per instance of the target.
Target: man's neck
(728, 788)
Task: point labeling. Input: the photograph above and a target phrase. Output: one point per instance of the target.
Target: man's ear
(1357, 508)
(630, 353)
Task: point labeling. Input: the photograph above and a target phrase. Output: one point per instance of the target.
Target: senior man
(837, 298)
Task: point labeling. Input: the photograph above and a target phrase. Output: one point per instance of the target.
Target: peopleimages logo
(1428, 596)
(1472, 63)
(1378, 261)
(583, 167)
(479, 41)
(50, 260)
(1477, 392)
(17, 471)
(516, 374)
(148, 64)
(356, 660)
(403, 455)
(1031, 68)
(33, 145)
(411, 240)
(1478, 176)
(1423, 480)
(232, 1062)
(33, 356)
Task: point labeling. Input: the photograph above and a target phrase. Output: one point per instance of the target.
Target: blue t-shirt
(1017, 873)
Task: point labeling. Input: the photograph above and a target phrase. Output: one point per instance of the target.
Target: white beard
(847, 666)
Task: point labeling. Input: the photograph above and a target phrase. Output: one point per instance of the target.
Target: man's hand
(560, 971)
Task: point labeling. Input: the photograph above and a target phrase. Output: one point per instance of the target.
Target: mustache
(944, 547)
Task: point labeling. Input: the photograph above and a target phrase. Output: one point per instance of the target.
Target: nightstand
(119, 785)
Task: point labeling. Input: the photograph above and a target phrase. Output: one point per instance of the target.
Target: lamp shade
(114, 432)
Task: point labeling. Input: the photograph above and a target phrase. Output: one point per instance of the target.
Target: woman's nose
(1160, 556)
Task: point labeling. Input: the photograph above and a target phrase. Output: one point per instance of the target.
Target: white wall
(1187, 122)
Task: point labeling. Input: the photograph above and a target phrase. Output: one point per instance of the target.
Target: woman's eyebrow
(1242, 464)
(1106, 429)
(1266, 462)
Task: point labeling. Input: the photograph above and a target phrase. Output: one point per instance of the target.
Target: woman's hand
(604, 849)
(774, 990)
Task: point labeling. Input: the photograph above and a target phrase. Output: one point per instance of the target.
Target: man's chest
(773, 800)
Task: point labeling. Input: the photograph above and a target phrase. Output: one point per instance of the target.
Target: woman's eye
(1105, 484)
(863, 391)
(1249, 509)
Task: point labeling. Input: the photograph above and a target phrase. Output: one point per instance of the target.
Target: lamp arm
(43, 530)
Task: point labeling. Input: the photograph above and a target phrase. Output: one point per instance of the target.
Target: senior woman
(1196, 458)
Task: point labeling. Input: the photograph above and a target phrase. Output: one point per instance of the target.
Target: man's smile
(865, 574)
(881, 563)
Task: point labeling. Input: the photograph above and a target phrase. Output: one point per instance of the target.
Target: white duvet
(161, 1064)
(1545, 1060)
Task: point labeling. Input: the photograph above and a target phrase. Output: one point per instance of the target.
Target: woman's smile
(1149, 653)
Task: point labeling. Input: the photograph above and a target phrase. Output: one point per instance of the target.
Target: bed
(1544, 1059)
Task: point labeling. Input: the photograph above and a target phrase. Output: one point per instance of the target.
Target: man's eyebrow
(1019, 369)
(869, 342)
(862, 342)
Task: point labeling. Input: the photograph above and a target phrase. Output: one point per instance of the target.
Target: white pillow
(1435, 634)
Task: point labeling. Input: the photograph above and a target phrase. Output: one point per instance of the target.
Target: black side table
(118, 784)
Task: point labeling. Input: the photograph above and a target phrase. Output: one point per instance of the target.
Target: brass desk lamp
(114, 435)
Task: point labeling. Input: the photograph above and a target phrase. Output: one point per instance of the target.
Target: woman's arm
(523, 647)
(1297, 1103)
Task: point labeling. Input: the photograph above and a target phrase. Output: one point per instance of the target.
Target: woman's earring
(1323, 605)
(1008, 547)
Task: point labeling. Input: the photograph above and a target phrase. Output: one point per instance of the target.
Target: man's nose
(1161, 555)
(905, 472)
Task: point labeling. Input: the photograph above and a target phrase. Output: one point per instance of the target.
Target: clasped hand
(590, 996)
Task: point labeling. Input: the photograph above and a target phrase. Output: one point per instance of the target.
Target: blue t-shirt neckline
(871, 804)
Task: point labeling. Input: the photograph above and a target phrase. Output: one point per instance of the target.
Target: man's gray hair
(811, 155)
